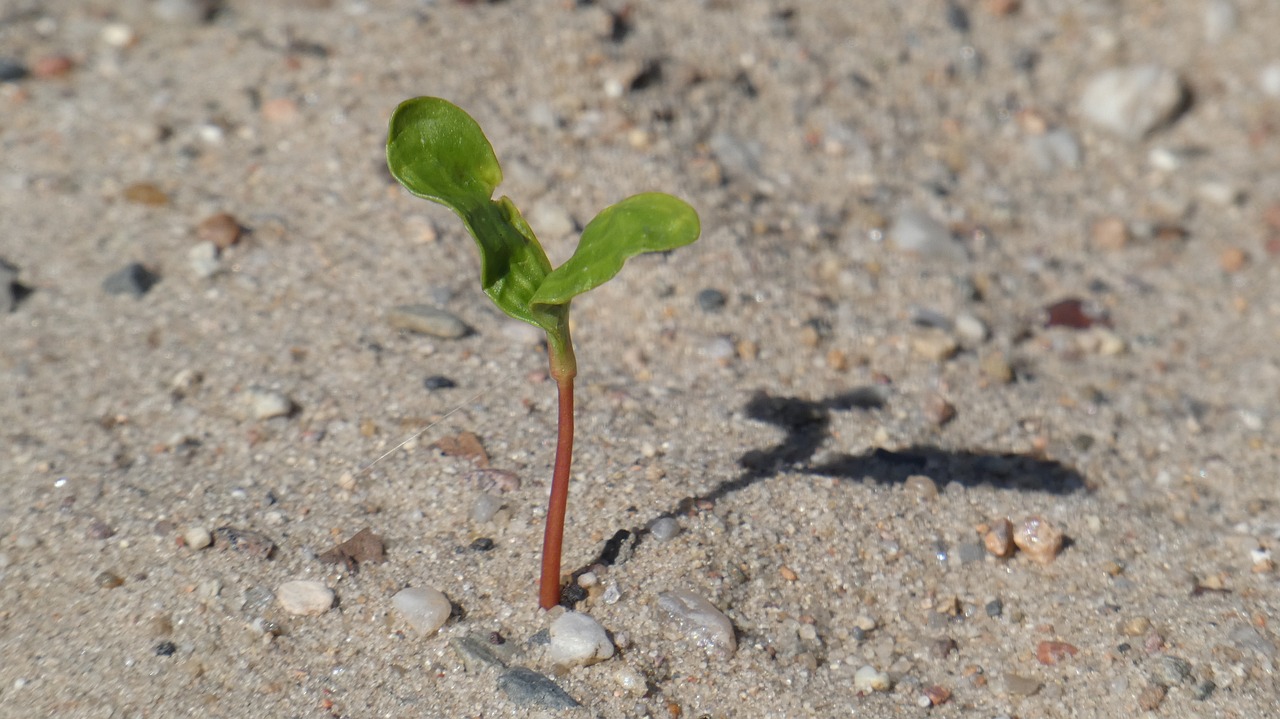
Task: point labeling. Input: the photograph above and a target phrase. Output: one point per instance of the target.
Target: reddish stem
(553, 538)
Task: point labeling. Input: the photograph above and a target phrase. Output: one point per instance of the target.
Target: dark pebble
(1204, 688)
(166, 649)
(108, 580)
(526, 687)
(1073, 313)
(99, 529)
(11, 70)
(859, 634)
(132, 279)
(995, 608)
(711, 300)
(957, 17)
(438, 381)
(255, 544)
(483, 544)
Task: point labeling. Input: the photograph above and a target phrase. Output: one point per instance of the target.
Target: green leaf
(649, 222)
(438, 152)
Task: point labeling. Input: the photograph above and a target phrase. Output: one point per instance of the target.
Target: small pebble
(1171, 671)
(118, 35)
(1135, 627)
(11, 70)
(261, 403)
(1133, 101)
(1074, 314)
(937, 410)
(550, 220)
(132, 279)
(917, 233)
(525, 687)
(1233, 259)
(484, 508)
(994, 608)
(1110, 234)
(935, 695)
(424, 608)
(51, 66)
(999, 539)
(935, 345)
(99, 529)
(221, 229)
(145, 193)
(438, 381)
(664, 529)
(1220, 20)
(711, 300)
(1151, 697)
(197, 537)
(1039, 539)
(921, 487)
(996, 367)
(577, 640)
(280, 111)
(187, 11)
(481, 544)
(720, 349)
(203, 260)
(1019, 686)
(165, 649)
(971, 329)
(108, 580)
(699, 620)
(869, 679)
(1051, 653)
(304, 597)
(427, 320)
(1269, 80)
(1203, 689)
(254, 544)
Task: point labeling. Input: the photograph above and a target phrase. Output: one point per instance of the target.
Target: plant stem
(563, 368)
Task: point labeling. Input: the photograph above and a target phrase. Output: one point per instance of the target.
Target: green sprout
(439, 153)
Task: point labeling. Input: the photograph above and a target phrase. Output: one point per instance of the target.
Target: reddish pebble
(1072, 313)
(1233, 259)
(1050, 653)
(280, 110)
(937, 694)
(999, 539)
(1039, 539)
(221, 229)
(52, 66)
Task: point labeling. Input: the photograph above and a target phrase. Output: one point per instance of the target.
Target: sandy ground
(837, 509)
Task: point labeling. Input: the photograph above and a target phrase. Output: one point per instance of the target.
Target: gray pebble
(1170, 670)
(1133, 101)
(916, 232)
(1055, 149)
(664, 529)
(427, 320)
(526, 687)
(11, 70)
(1203, 689)
(711, 300)
(186, 11)
(1220, 20)
(476, 653)
(995, 608)
(485, 507)
(1246, 638)
(10, 290)
(738, 159)
(132, 279)
(969, 552)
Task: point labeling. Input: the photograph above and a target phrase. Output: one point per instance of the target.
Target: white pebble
(118, 34)
(1132, 101)
(916, 232)
(550, 220)
(631, 680)
(577, 640)
(304, 597)
(699, 620)
(664, 529)
(1269, 80)
(424, 608)
(869, 679)
(265, 403)
(203, 259)
(197, 537)
(971, 329)
(1220, 20)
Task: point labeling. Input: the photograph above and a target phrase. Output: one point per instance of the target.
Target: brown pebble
(996, 367)
(255, 544)
(222, 229)
(1111, 234)
(1001, 8)
(999, 539)
(1039, 539)
(1051, 653)
(1233, 259)
(748, 350)
(935, 345)
(943, 648)
(938, 411)
(788, 573)
(108, 580)
(836, 360)
(280, 110)
(1151, 698)
(145, 193)
(921, 487)
(1072, 313)
(52, 66)
(1135, 627)
(809, 336)
(937, 694)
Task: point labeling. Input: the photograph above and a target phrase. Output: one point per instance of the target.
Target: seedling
(439, 153)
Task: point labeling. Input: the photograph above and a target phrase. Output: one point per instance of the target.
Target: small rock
(165, 649)
(577, 640)
(261, 403)
(51, 66)
(477, 653)
(937, 410)
(203, 260)
(711, 300)
(221, 229)
(1220, 20)
(994, 608)
(485, 507)
(438, 381)
(996, 367)
(1020, 686)
(935, 345)
(999, 539)
(132, 279)
(869, 679)
(187, 11)
(11, 70)
(936, 695)
(280, 111)
(145, 193)
(118, 35)
(481, 544)
(915, 232)
(1133, 101)
(495, 481)
(969, 552)
(1203, 689)
(664, 529)
(1039, 539)
(255, 544)
(550, 220)
(699, 620)
(304, 597)
(1074, 314)
(197, 537)
(525, 687)
(1135, 627)
(424, 608)
(1055, 149)
(1171, 671)
(971, 329)
(1151, 697)
(921, 487)
(108, 580)
(1110, 234)
(427, 320)
(1051, 653)
(1233, 259)
(99, 529)
(1269, 80)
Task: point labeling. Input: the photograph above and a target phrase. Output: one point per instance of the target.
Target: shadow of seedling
(807, 424)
